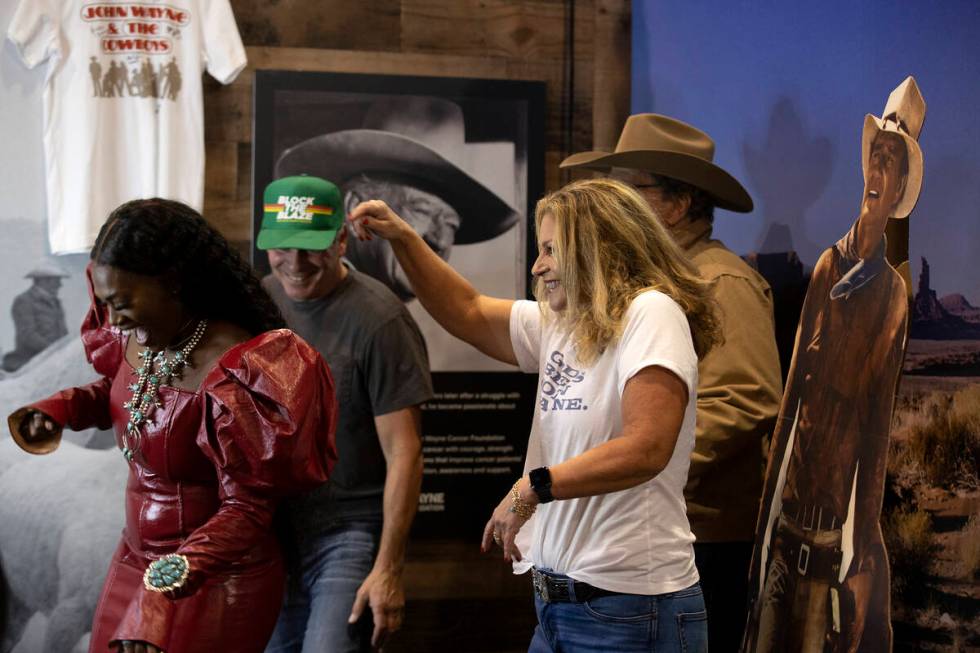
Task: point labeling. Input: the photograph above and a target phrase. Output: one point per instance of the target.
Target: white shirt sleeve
(36, 31)
(525, 334)
(656, 334)
(224, 54)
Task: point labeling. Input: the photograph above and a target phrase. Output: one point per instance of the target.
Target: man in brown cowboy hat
(820, 571)
(39, 318)
(670, 163)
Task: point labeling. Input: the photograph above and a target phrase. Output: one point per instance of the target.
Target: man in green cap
(349, 535)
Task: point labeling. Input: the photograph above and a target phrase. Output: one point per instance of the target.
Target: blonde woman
(615, 336)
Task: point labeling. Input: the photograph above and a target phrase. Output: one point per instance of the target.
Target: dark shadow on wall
(789, 171)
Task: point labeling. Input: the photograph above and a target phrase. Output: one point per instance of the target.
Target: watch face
(541, 483)
(540, 477)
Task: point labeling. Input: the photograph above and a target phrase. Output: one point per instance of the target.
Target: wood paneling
(611, 72)
(496, 28)
(492, 39)
(333, 24)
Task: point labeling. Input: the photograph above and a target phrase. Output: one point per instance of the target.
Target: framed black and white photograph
(459, 159)
(462, 160)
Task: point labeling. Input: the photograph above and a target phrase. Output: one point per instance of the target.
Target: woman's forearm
(653, 408)
(618, 464)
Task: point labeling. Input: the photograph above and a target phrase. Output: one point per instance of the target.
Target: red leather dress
(205, 482)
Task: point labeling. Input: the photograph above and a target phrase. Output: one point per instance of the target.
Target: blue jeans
(324, 574)
(661, 623)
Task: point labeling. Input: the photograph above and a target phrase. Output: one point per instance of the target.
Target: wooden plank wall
(492, 39)
(459, 600)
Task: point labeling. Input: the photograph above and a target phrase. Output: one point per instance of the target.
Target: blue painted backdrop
(783, 87)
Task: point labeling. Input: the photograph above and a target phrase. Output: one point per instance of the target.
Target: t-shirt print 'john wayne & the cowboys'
(138, 39)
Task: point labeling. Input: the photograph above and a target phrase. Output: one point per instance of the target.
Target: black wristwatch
(541, 484)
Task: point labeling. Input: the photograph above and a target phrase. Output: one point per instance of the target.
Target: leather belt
(810, 553)
(811, 517)
(562, 589)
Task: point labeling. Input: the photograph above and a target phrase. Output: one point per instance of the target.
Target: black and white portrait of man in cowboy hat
(411, 152)
(39, 318)
(671, 164)
(820, 571)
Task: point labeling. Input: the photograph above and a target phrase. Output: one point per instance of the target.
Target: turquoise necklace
(156, 370)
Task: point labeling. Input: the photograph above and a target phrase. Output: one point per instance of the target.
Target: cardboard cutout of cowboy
(820, 578)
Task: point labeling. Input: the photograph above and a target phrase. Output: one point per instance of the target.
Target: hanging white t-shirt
(123, 105)
(636, 541)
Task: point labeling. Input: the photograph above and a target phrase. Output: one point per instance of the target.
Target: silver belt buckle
(803, 560)
(540, 582)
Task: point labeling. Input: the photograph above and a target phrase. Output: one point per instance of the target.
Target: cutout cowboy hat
(420, 139)
(671, 148)
(904, 113)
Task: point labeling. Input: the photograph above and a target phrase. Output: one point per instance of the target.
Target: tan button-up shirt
(739, 390)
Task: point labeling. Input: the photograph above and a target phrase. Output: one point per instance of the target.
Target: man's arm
(885, 358)
(400, 435)
(810, 324)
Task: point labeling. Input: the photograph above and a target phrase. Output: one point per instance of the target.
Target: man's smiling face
(308, 274)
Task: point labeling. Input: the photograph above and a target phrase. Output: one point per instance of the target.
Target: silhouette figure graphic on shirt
(95, 69)
(144, 80)
(171, 80)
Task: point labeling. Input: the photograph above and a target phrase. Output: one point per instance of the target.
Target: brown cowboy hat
(671, 148)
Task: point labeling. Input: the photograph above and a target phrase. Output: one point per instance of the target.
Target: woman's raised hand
(375, 218)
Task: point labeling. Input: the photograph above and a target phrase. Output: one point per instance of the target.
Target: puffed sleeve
(268, 427)
(269, 430)
(271, 413)
(84, 406)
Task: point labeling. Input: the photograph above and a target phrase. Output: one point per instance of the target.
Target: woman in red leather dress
(218, 412)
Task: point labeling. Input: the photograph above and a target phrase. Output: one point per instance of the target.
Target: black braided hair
(164, 238)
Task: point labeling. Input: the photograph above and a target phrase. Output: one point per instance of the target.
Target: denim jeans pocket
(692, 631)
(622, 608)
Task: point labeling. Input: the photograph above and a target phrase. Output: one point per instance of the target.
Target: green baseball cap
(300, 212)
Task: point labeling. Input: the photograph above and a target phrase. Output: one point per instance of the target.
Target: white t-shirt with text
(123, 103)
(636, 541)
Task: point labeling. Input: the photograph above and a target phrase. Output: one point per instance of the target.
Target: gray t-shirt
(379, 364)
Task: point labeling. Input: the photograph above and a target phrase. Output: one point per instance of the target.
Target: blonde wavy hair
(610, 247)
